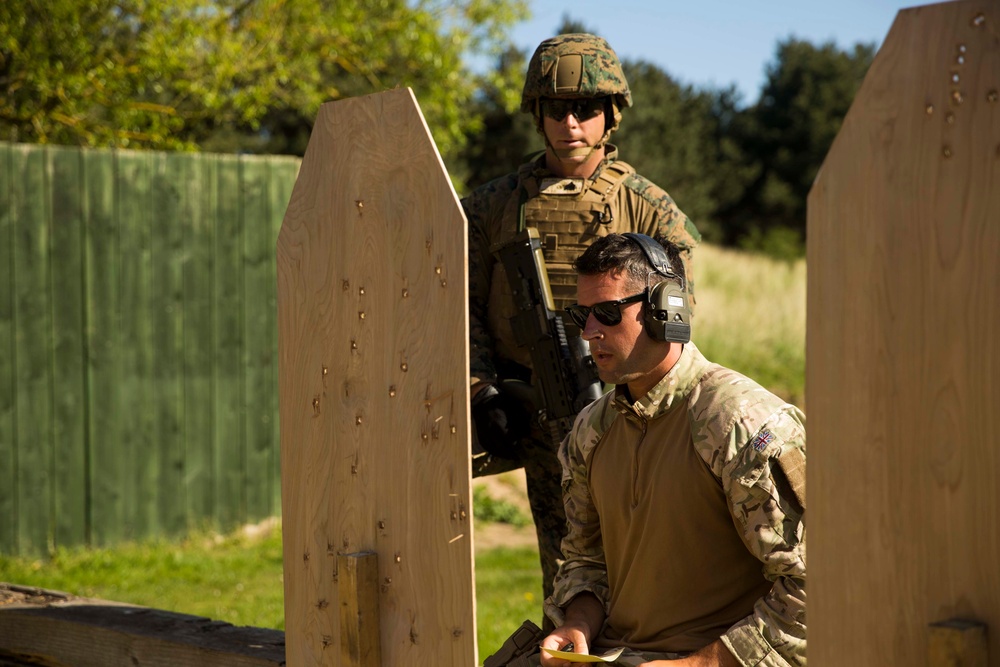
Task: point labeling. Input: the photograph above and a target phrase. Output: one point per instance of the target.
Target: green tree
(339, 49)
(128, 72)
(506, 136)
(181, 74)
(784, 138)
(669, 136)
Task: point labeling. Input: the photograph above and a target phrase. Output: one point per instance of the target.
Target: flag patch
(762, 440)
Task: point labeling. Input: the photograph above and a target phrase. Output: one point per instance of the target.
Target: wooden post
(902, 326)
(957, 643)
(374, 391)
(357, 588)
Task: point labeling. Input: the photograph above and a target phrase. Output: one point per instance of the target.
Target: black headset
(666, 314)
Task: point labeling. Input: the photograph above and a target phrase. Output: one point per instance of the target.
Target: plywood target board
(373, 341)
(903, 358)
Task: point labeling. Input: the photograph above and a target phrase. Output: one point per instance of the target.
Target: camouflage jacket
(492, 211)
(752, 444)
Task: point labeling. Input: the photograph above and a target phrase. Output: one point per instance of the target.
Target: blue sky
(713, 42)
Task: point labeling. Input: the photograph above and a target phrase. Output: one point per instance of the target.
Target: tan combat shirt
(686, 516)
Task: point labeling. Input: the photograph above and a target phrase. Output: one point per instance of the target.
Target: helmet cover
(575, 65)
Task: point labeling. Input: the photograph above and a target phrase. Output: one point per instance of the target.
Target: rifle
(565, 371)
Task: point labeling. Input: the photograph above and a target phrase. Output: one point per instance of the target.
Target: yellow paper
(610, 656)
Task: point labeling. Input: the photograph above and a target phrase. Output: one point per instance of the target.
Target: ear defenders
(666, 315)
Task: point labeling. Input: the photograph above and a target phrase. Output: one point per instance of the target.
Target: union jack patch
(762, 440)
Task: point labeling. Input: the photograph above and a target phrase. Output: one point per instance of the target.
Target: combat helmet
(575, 65)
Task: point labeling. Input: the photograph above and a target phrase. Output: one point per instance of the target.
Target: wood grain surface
(373, 357)
(54, 629)
(903, 363)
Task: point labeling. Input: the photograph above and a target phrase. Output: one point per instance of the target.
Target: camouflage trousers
(544, 477)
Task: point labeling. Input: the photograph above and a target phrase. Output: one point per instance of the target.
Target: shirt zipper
(635, 462)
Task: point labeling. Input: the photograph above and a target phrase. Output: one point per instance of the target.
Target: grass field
(237, 578)
(750, 316)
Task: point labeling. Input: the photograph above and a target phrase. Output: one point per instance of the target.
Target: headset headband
(666, 313)
(655, 253)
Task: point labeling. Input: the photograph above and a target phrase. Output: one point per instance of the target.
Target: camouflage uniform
(751, 446)
(634, 205)
(638, 205)
(570, 214)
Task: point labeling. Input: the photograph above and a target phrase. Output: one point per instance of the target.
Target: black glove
(500, 421)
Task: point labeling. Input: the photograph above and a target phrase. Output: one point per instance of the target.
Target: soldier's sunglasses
(608, 313)
(583, 108)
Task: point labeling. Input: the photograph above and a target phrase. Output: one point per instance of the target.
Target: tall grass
(751, 316)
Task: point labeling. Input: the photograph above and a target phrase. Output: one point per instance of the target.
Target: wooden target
(903, 358)
(373, 340)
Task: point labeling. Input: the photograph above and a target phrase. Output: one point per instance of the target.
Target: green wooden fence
(138, 343)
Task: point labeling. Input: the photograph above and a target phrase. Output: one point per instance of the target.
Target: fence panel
(8, 451)
(138, 345)
(283, 176)
(69, 458)
(102, 277)
(171, 174)
(231, 453)
(32, 347)
(259, 298)
(138, 443)
(199, 267)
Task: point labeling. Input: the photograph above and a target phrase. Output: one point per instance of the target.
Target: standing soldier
(575, 192)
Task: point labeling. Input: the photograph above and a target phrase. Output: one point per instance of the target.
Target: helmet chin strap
(567, 153)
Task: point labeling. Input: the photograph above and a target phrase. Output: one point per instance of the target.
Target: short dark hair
(619, 255)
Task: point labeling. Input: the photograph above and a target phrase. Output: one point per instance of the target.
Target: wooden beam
(50, 628)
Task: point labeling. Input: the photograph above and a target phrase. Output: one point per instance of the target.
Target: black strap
(654, 252)
(515, 651)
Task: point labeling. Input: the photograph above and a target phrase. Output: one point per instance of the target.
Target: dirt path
(511, 487)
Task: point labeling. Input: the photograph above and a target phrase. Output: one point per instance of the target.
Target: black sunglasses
(608, 313)
(583, 108)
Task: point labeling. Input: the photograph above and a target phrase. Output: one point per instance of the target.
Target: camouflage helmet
(574, 65)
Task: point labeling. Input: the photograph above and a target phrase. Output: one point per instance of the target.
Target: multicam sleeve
(481, 368)
(584, 568)
(764, 481)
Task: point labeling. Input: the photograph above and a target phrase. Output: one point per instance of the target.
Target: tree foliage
(128, 72)
(742, 173)
(786, 136)
(506, 137)
(676, 120)
(179, 74)
(250, 75)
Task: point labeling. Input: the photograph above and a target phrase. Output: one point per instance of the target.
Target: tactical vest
(570, 214)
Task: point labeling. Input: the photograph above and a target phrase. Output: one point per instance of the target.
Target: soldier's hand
(501, 421)
(569, 639)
